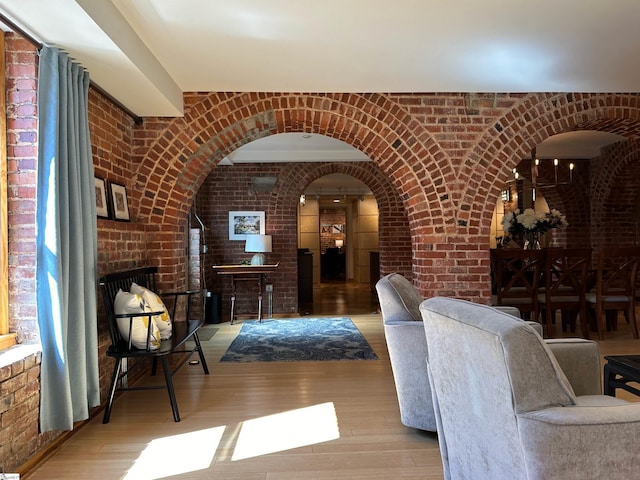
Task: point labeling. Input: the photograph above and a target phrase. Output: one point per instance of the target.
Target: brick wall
(120, 245)
(22, 156)
(19, 401)
(19, 381)
(229, 188)
(438, 164)
(615, 202)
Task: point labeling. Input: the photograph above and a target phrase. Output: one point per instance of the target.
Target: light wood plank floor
(217, 412)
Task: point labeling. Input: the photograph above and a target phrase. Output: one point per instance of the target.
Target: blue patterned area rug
(299, 339)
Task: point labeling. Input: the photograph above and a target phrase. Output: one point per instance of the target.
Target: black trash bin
(213, 308)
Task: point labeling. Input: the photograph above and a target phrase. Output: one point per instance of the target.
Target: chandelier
(566, 172)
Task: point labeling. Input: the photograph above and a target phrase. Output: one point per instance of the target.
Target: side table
(619, 371)
(243, 273)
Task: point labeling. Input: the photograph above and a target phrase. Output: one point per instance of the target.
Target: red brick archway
(448, 176)
(394, 232)
(539, 116)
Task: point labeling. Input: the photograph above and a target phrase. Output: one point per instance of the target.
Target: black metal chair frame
(121, 348)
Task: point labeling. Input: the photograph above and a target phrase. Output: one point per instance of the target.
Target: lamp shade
(258, 244)
(339, 243)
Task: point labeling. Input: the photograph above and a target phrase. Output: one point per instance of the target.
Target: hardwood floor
(342, 298)
(268, 421)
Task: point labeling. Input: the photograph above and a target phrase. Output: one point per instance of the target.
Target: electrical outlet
(269, 287)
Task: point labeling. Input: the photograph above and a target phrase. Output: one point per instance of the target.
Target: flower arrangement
(531, 221)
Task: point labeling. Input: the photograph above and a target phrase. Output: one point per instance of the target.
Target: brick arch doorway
(338, 223)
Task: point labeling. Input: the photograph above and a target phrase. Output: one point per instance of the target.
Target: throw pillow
(126, 303)
(156, 304)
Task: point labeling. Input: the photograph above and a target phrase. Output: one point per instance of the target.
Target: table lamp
(339, 244)
(258, 244)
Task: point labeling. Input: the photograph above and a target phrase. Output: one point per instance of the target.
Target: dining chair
(516, 278)
(563, 288)
(616, 278)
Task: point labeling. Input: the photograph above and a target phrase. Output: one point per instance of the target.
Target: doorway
(338, 225)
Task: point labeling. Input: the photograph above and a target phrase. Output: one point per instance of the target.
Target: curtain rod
(136, 118)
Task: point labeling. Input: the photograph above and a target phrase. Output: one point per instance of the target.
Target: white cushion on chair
(156, 304)
(127, 303)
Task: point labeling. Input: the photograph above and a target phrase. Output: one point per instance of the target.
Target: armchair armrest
(580, 433)
(537, 326)
(580, 362)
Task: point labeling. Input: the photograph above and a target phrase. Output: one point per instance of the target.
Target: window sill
(6, 341)
(18, 353)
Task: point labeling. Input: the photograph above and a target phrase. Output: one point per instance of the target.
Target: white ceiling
(146, 53)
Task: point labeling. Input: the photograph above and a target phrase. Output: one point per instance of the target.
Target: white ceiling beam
(116, 27)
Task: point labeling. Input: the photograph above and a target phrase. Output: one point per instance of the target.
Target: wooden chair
(516, 278)
(616, 277)
(565, 276)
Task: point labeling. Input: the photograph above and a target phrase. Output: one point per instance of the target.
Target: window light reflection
(287, 430)
(177, 454)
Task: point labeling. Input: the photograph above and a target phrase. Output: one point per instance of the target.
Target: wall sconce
(506, 194)
(303, 199)
(339, 243)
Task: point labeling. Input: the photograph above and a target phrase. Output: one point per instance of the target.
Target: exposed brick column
(22, 159)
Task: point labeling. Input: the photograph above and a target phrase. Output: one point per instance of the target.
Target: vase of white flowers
(531, 224)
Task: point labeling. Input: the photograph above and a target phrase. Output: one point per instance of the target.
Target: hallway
(342, 298)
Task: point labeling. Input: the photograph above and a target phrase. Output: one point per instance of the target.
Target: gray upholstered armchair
(407, 346)
(505, 408)
(400, 306)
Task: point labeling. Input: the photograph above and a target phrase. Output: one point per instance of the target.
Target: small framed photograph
(242, 224)
(102, 207)
(119, 202)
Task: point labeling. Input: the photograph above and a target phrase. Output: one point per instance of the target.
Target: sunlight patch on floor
(177, 454)
(287, 430)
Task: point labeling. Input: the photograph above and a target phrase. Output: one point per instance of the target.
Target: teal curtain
(66, 245)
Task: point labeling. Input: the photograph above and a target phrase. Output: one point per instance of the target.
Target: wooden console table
(245, 273)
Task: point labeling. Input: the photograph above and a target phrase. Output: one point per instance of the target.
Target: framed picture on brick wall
(102, 207)
(119, 202)
(242, 224)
